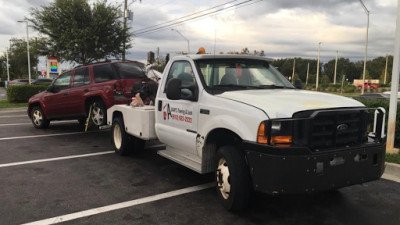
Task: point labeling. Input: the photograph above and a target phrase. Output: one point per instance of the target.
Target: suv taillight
(118, 88)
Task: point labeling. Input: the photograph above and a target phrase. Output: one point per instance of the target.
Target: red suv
(95, 86)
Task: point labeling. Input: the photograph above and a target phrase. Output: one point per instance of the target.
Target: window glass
(183, 71)
(103, 73)
(81, 77)
(130, 70)
(229, 74)
(63, 81)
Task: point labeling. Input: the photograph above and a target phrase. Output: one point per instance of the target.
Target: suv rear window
(129, 70)
(103, 73)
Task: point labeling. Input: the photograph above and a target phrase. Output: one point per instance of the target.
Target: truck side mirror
(298, 84)
(173, 89)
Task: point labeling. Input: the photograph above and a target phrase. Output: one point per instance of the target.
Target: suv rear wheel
(38, 118)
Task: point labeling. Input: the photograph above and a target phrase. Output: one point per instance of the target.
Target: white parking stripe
(14, 116)
(68, 157)
(54, 159)
(20, 124)
(121, 205)
(44, 135)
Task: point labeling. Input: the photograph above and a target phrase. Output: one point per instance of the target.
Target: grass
(5, 104)
(393, 158)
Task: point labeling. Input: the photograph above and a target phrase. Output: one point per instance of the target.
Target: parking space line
(20, 124)
(43, 135)
(68, 157)
(121, 205)
(13, 116)
(54, 159)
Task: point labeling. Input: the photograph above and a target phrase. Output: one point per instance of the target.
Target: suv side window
(81, 77)
(103, 73)
(63, 81)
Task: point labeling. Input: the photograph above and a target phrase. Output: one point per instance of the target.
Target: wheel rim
(223, 181)
(117, 136)
(37, 117)
(97, 116)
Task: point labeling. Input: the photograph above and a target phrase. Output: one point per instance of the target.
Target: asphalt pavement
(64, 175)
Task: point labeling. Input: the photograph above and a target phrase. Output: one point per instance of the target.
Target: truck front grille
(324, 130)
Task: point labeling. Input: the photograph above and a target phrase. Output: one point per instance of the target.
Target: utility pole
(125, 16)
(366, 47)
(386, 67)
(308, 71)
(27, 48)
(8, 68)
(394, 88)
(316, 82)
(334, 76)
(294, 66)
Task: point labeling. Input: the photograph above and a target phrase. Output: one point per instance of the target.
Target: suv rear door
(77, 93)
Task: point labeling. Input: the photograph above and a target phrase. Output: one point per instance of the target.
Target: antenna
(215, 39)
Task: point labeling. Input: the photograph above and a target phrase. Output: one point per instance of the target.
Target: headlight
(275, 132)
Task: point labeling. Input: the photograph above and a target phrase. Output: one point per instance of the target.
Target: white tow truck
(238, 117)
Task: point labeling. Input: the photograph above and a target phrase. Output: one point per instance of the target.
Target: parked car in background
(89, 89)
(388, 93)
(42, 81)
(368, 85)
(18, 82)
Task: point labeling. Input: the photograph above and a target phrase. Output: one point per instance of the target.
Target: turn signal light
(261, 137)
(281, 140)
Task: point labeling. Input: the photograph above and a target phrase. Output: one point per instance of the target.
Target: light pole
(27, 48)
(183, 38)
(366, 46)
(316, 82)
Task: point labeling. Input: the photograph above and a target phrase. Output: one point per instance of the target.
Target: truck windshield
(238, 74)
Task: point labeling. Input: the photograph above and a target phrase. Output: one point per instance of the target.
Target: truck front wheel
(232, 178)
(120, 138)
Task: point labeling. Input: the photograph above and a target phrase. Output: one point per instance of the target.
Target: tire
(119, 138)
(98, 113)
(38, 118)
(232, 178)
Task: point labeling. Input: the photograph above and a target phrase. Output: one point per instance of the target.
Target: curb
(392, 172)
(19, 109)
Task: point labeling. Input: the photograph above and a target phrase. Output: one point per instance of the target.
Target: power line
(172, 23)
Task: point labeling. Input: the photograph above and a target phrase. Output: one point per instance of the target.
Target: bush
(22, 93)
(349, 88)
(385, 105)
(2, 84)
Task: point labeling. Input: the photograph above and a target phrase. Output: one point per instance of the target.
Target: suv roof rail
(106, 61)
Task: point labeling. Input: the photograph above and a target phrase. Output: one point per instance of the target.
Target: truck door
(176, 121)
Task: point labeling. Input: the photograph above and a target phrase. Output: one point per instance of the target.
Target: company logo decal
(342, 127)
(178, 114)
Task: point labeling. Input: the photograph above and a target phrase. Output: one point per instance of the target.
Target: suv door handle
(65, 93)
(86, 90)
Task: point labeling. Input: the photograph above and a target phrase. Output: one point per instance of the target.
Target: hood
(282, 103)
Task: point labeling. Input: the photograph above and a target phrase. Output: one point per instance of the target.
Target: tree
(17, 59)
(79, 32)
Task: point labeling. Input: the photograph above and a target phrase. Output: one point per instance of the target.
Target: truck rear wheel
(232, 178)
(120, 138)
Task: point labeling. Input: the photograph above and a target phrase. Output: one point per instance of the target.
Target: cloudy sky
(282, 28)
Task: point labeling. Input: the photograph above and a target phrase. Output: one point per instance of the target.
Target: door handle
(65, 93)
(86, 90)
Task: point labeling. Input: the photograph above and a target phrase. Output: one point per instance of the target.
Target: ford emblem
(342, 127)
